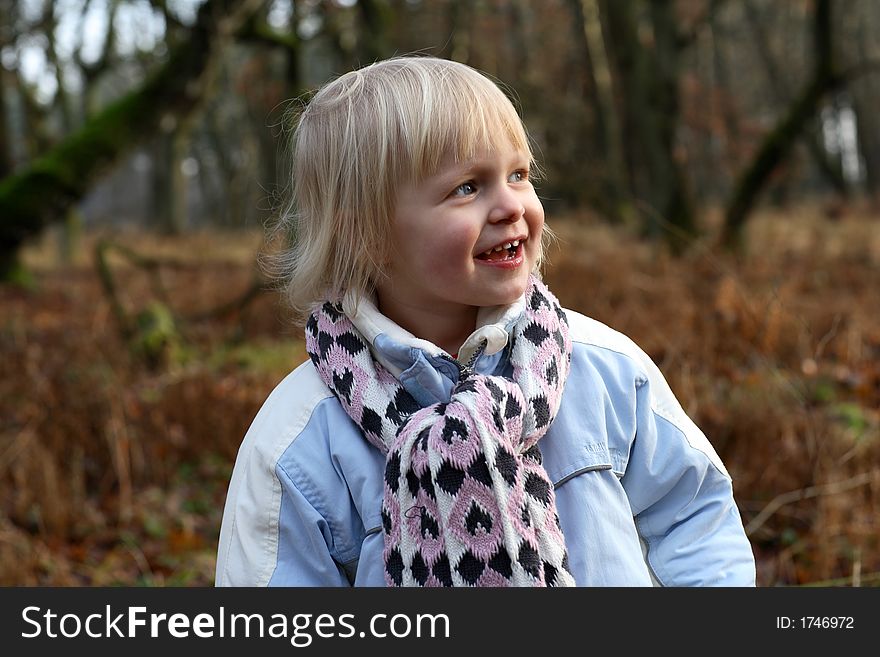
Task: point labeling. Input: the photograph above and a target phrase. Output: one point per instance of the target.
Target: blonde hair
(360, 137)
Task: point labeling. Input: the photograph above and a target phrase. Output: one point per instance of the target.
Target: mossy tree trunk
(41, 193)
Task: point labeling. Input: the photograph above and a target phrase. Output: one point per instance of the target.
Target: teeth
(502, 247)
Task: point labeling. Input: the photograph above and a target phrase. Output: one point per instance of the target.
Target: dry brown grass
(776, 356)
(113, 471)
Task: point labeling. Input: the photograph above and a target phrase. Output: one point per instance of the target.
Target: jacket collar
(397, 349)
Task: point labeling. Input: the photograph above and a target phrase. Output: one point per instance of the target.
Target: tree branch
(92, 71)
(854, 72)
(807, 493)
(778, 142)
(261, 32)
(38, 195)
(171, 21)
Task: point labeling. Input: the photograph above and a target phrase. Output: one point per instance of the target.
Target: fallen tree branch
(153, 266)
(807, 493)
(257, 287)
(108, 283)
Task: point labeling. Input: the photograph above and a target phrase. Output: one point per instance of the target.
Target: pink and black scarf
(467, 501)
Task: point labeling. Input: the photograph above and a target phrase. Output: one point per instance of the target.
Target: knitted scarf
(467, 501)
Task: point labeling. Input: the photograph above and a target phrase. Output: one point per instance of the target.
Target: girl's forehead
(486, 156)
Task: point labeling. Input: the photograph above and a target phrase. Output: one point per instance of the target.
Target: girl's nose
(507, 206)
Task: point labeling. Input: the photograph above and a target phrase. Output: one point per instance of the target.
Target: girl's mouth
(506, 256)
(502, 252)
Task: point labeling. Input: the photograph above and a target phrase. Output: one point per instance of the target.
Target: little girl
(455, 426)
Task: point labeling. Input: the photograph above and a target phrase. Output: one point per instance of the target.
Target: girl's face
(467, 236)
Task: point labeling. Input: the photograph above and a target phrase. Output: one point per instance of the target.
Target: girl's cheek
(437, 258)
(536, 218)
(455, 243)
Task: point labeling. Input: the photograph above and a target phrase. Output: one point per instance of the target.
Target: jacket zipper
(466, 371)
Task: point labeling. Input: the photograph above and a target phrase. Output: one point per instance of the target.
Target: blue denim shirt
(643, 498)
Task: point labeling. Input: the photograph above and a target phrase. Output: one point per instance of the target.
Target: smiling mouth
(502, 252)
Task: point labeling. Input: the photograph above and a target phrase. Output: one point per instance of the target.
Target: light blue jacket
(643, 498)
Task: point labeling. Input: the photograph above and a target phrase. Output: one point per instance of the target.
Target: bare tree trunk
(6, 19)
(160, 177)
(179, 205)
(670, 186)
(866, 100)
(729, 111)
(778, 143)
(62, 98)
(458, 47)
(5, 140)
(375, 22)
(590, 58)
(830, 168)
(730, 157)
(37, 138)
(647, 88)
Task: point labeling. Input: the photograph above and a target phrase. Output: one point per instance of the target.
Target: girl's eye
(520, 175)
(465, 189)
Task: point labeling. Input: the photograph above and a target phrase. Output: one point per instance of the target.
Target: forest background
(712, 168)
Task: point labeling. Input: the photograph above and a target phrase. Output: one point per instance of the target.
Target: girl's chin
(509, 292)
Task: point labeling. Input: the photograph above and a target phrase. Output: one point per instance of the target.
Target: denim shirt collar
(423, 368)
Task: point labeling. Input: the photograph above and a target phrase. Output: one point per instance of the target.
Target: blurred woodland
(712, 168)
